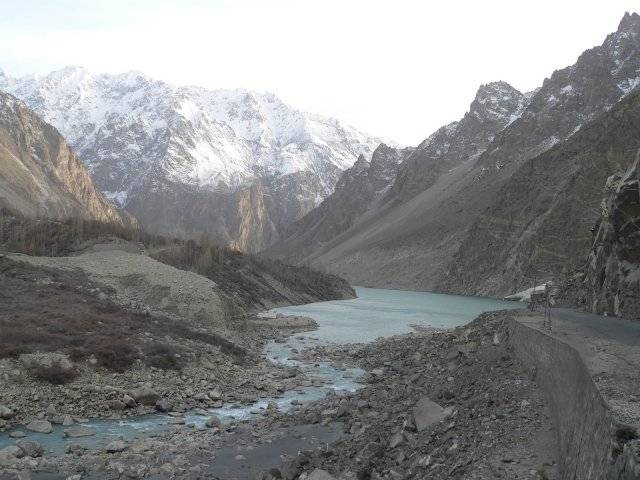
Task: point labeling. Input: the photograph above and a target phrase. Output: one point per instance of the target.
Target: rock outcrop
(538, 225)
(613, 270)
(40, 174)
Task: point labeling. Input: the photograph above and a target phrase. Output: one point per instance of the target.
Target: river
(374, 313)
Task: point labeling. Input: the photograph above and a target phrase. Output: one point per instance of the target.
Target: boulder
(128, 401)
(47, 360)
(5, 412)
(79, 431)
(145, 396)
(31, 449)
(215, 394)
(163, 405)
(396, 440)
(213, 422)
(40, 426)
(118, 405)
(427, 413)
(116, 446)
(12, 451)
(319, 474)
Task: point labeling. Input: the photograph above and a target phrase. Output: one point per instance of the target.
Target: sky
(398, 69)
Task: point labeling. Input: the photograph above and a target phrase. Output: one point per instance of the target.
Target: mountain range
(235, 165)
(497, 201)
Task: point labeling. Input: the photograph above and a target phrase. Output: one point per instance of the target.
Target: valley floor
(495, 423)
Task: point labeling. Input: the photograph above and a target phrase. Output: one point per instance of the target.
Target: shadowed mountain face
(613, 270)
(40, 175)
(234, 164)
(479, 206)
(539, 223)
(358, 191)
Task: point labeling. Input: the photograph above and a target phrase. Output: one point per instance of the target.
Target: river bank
(489, 421)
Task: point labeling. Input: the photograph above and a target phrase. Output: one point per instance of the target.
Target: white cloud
(399, 68)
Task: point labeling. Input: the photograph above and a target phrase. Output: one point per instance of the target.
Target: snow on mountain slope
(136, 133)
(230, 135)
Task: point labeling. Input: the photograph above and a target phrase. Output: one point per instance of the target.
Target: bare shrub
(163, 356)
(54, 373)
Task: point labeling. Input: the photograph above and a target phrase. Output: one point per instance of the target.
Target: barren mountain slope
(539, 224)
(39, 172)
(416, 244)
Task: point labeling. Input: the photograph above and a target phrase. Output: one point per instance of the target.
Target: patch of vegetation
(49, 310)
(251, 282)
(47, 237)
(163, 356)
(54, 373)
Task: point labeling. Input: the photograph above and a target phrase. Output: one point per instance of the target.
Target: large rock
(79, 431)
(31, 449)
(42, 361)
(613, 271)
(116, 446)
(145, 396)
(213, 422)
(12, 451)
(427, 413)
(319, 474)
(163, 405)
(40, 426)
(5, 412)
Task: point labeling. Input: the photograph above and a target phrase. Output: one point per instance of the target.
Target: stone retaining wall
(593, 445)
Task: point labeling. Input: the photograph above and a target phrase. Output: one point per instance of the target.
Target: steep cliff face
(537, 226)
(433, 230)
(613, 270)
(358, 191)
(40, 175)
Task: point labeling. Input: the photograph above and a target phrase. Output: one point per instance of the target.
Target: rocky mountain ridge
(148, 144)
(426, 234)
(359, 190)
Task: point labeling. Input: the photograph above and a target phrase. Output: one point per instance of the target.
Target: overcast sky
(395, 68)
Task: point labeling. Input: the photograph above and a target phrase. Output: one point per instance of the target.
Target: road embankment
(594, 442)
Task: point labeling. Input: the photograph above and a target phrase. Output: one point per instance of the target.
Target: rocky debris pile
(451, 404)
(613, 270)
(435, 404)
(204, 371)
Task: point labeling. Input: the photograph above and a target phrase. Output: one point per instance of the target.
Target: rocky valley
(236, 165)
(204, 283)
(457, 216)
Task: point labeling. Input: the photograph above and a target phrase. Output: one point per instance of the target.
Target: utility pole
(547, 308)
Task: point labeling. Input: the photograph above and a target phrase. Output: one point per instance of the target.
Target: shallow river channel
(375, 313)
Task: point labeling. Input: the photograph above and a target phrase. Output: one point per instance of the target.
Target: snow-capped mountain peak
(119, 122)
(140, 136)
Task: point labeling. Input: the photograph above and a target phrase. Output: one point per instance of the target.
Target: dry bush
(53, 373)
(163, 356)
